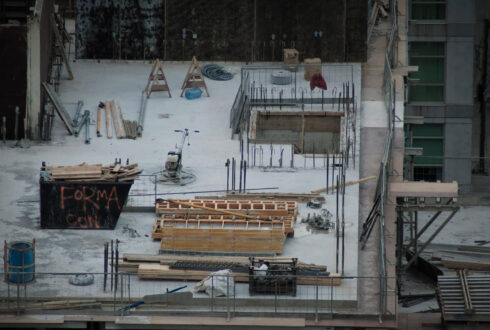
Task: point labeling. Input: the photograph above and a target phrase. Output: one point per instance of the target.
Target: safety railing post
(228, 297)
(316, 300)
(122, 293)
(212, 293)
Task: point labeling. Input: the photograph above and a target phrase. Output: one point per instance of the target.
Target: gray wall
(457, 110)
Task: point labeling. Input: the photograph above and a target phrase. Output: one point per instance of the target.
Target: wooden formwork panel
(161, 224)
(267, 208)
(222, 240)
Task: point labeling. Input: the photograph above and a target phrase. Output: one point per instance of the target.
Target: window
(430, 137)
(426, 85)
(428, 10)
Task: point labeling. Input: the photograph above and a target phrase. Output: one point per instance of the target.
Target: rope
(216, 72)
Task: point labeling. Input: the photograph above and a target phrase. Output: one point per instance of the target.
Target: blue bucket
(193, 93)
(21, 262)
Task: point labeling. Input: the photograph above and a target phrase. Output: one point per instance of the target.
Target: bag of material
(217, 284)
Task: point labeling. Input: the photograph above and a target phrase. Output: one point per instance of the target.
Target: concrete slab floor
(82, 250)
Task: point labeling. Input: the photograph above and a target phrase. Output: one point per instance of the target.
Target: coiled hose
(216, 72)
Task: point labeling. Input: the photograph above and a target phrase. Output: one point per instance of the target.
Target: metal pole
(337, 226)
(212, 293)
(116, 268)
(328, 165)
(227, 297)
(112, 267)
(316, 291)
(4, 129)
(122, 294)
(16, 128)
(227, 164)
(241, 173)
(106, 256)
(87, 129)
(244, 175)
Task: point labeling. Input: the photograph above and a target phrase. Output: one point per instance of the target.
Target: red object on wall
(318, 81)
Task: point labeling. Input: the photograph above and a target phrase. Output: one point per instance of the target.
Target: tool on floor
(173, 172)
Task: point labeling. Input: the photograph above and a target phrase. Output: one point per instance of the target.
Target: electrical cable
(216, 72)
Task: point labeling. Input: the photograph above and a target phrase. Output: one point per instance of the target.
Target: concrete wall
(13, 76)
(456, 112)
(225, 29)
(317, 134)
(39, 57)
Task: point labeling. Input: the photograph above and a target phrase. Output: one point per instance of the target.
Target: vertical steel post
(316, 300)
(241, 173)
(244, 176)
(227, 297)
(337, 225)
(212, 293)
(16, 127)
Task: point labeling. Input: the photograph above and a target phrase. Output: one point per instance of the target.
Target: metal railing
(389, 90)
(85, 291)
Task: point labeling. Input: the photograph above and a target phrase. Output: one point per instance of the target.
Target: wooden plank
(267, 196)
(65, 117)
(108, 119)
(423, 189)
(115, 120)
(347, 183)
(123, 129)
(164, 272)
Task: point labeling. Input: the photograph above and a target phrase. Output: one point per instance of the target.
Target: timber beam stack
(224, 226)
(93, 173)
(196, 268)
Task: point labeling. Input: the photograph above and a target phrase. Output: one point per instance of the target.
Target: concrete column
(33, 92)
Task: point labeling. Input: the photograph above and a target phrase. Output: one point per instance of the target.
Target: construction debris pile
(91, 173)
(228, 226)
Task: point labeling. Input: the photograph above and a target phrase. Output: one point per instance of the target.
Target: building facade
(439, 100)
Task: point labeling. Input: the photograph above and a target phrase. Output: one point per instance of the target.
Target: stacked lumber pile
(196, 268)
(92, 173)
(231, 226)
(238, 236)
(114, 117)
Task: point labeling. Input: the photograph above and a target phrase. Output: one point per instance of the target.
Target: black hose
(216, 72)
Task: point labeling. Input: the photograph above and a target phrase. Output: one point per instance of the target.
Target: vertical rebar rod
(328, 173)
(227, 164)
(313, 155)
(233, 174)
(241, 172)
(106, 257)
(112, 264)
(337, 225)
(116, 267)
(244, 176)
